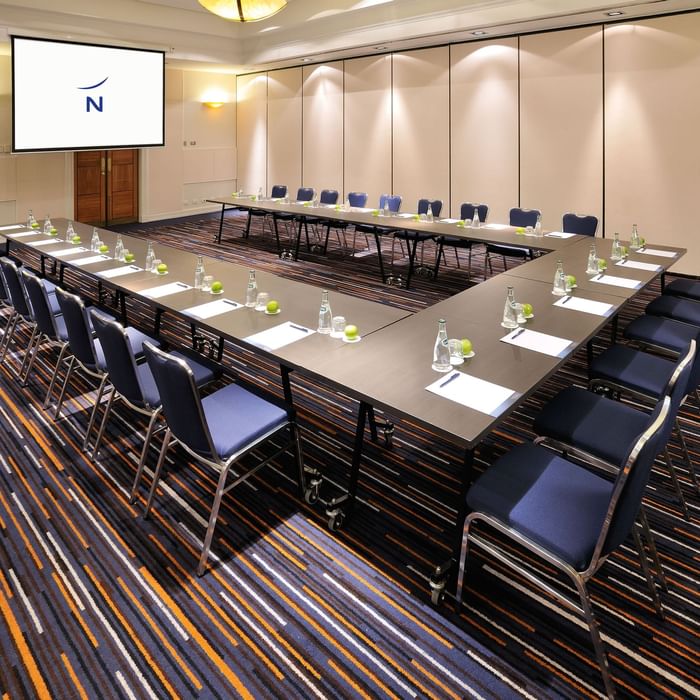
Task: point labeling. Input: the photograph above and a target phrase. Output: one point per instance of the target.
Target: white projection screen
(68, 96)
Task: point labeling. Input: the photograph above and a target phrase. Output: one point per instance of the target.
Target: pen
(622, 262)
(299, 328)
(134, 267)
(517, 333)
(230, 303)
(447, 381)
(564, 301)
(182, 284)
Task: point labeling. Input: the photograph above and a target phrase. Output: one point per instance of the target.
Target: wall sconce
(213, 104)
(214, 98)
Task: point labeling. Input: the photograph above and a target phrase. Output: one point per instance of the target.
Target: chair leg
(144, 453)
(247, 225)
(156, 473)
(296, 436)
(103, 422)
(62, 393)
(437, 258)
(29, 355)
(212, 521)
(676, 484)
(592, 623)
(686, 456)
(54, 377)
(646, 571)
(93, 413)
(651, 543)
(7, 338)
(464, 552)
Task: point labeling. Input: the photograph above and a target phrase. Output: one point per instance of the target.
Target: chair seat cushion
(662, 332)
(457, 242)
(509, 250)
(638, 370)
(238, 417)
(684, 288)
(605, 428)
(685, 310)
(557, 504)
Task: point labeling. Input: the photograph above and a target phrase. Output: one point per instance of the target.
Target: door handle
(109, 164)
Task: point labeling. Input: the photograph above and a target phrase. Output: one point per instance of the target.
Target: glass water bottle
(592, 264)
(559, 284)
(325, 315)
(150, 257)
(616, 252)
(441, 350)
(30, 219)
(635, 243)
(251, 292)
(386, 207)
(429, 214)
(47, 224)
(94, 241)
(199, 273)
(510, 313)
(475, 218)
(538, 226)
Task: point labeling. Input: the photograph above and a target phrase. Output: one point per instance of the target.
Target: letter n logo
(89, 102)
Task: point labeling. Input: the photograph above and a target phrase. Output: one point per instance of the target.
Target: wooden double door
(106, 187)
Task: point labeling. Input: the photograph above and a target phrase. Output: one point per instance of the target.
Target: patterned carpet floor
(96, 602)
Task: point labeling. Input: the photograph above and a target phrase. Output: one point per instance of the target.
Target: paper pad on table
(539, 342)
(120, 271)
(449, 221)
(279, 336)
(559, 234)
(640, 265)
(67, 251)
(11, 227)
(49, 241)
(165, 290)
(496, 227)
(212, 308)
(475, 393)
(22, 235)
(588, 306)
(90, 260)
(659, 253)
(617, 281)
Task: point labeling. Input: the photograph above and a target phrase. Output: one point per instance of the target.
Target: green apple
(216, 287)
(129, 257)
(161, 269)
(602, 264)
(53, 232)
(623, 250)
(272, 307)
(104, 249)
(375, 212)
(351, 332)
(570, 280)
(35, 225)
(75, 239)
(460, 223)
(527, 308)
(467, 346)
(642, 241)
(519, 229)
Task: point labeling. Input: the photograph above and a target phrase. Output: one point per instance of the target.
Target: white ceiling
(305, 29)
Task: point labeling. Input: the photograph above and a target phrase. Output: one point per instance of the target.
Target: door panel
(90, 187)
(122, 179)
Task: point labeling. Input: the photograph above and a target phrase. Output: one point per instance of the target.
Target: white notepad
(472, 392)
(212, 308)
(120, 271)
(634, 264)
(588, 306)
(47, 241)
(67, 251)
(657, 252)
(496, 227)
(90, 260)
(539, 342)
(23, 234)
(617, 281)
(559, 234)
(11, 227)
(449, 221)
(279, 336)
(165, 290)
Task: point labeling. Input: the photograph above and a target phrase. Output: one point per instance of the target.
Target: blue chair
(466, 213)
(355, 199)
(86, 353)
(304, 194)
(217, 431)
(583, 225)
(678, 308)
(133, 384)
(565, 515)
(604, 428)
(327, 198)
(682, 287)
(278, 192)
(392, 204)
(517, 217)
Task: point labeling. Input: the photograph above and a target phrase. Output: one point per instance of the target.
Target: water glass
(156, 262)
(456, 353)
(206, 283)
(261, 301)
(520, 316)
(338, 327)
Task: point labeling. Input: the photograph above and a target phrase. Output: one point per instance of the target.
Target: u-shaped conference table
(390, 368)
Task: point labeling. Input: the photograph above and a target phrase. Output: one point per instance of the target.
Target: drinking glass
(261, 301)
(206, 283)
(518, 307)
(338, 326)
(456, 353)
(156, 262)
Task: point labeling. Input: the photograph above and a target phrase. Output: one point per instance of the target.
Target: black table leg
(286, 385)
(411, 259)
(302, 222)
(221, 223)
(386, 426)
(379, 254)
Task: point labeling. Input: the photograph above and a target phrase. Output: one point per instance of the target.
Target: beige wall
(284, 129)
(593, 120)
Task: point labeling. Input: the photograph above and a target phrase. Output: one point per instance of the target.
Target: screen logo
(90, 102)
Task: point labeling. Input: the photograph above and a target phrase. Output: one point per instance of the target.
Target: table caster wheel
(437, 592)
(335, 520)
(388, 433)
(311, 493)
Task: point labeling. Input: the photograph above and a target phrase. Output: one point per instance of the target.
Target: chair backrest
(39, 302)
(77, 327)
(632, 480)
(278, 191)
(392, 200)
(435, 205)
(182, 406)
(357, 199)
(305, 194)
(329, 197)
(523, 217)
(583, 225)
(119, 357)
(466, 211)
(15, 289)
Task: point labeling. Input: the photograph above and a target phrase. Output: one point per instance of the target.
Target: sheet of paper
(539, 342)
(68, 251)
(12, 227)
(120, 271)
(634, 264)
(496, 227)
(657, 252)
(90, 260)
(617, 281)
(279, 336)
(559, 234)
(165, 290)
(588, 306)
(472, 392)
(364, 210)
(212, 308)
(46, 241)
(449, 221)
(405, 215)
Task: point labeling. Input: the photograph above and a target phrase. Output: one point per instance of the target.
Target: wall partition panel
(484, 121)
(421, 125)
(323, 127)
(368, 126)
(284, 128)
(251, 137)
(561, 123)
(652, 113)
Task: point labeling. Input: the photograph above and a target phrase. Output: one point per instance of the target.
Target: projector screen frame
(95, 147)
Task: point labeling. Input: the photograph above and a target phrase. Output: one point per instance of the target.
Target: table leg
(221, 223)
(302, 221)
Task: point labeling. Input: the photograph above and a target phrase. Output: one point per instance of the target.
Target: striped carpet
(96, 602)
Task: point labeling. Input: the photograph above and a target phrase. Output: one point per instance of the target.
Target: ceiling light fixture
(243, 10)
(614, 13)
(479, 32)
